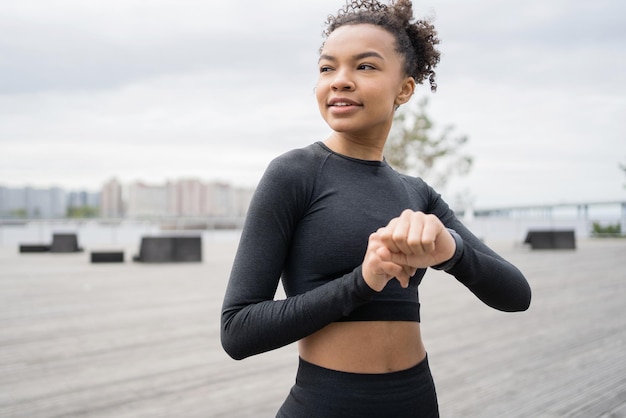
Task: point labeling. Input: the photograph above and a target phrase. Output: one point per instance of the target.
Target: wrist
(374, 282)
(458, 252)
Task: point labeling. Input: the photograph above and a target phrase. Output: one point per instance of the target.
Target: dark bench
(107, 256)
(34, 248)
(551, 239)
(170, 249)
(61, 243)
(65, 243)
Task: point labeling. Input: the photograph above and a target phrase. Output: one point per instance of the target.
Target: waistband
(311, 375)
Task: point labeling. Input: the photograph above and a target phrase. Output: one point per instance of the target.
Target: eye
(325, 69)
(366, 67)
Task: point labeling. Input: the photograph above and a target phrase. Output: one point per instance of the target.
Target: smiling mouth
(344, 104)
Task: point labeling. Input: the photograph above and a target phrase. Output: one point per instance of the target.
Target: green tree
(19, 213)
(415, 149)
(81, 212)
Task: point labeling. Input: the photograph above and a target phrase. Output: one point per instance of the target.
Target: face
(361, 81)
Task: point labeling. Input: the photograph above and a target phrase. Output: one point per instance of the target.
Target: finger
(402, 236)
(397, 259)
(411, 271)
(400, 233)
(385, 254)
(431, 229)
(375, 239)
(412, 261)
(376, 271)
(386, 235)
(405, 278)
(415, 234)
(394, 270)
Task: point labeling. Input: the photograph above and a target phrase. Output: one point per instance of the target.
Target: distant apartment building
(12, 202)
(145, 201)
(111, 201)
(219, 200)
(194, 198)
(30, 202)
(186, 197)
(190, 198)
(83, 198)
(46, 203)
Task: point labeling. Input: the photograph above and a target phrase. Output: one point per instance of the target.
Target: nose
(342, 81)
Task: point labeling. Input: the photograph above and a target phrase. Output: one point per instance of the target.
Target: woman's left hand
(416, 240)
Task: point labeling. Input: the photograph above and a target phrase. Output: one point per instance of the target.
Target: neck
(370, 150)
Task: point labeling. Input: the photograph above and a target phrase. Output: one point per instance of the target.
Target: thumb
(388, 256)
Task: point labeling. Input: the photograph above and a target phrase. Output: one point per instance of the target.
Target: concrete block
(551, 239)
(34, 248)
(107, 256)
(170, 249)
(65, 243)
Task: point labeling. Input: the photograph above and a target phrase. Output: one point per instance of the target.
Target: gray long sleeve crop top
(308, 225)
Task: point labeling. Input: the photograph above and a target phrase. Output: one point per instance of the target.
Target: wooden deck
(136, 340)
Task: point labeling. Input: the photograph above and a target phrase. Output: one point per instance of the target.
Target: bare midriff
(365, 347)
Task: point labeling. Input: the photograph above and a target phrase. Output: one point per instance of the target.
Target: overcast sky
(156, 90)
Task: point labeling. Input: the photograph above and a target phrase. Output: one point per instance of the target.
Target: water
(94, 234)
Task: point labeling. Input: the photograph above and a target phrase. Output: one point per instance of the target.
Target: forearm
(252, 328)
(492, 279)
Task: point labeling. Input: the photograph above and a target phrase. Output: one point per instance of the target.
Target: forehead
(355, 39)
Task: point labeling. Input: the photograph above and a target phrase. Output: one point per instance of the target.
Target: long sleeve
(252, 322)
(494, 280)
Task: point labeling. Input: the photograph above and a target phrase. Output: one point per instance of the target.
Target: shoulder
(300, 159)
(297, 164)
(293, 172)
(431, 198)
(418, 185)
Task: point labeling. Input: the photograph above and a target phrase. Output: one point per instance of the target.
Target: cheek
(386, 96)
(320, 87)
(320, 92)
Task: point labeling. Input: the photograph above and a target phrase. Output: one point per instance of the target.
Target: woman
(351, 238)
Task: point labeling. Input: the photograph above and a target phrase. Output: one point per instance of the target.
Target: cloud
(160, 89)
(94, 45)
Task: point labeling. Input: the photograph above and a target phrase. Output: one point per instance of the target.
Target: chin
(341, 126)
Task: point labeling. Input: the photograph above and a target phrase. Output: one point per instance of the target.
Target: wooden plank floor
(133, 340)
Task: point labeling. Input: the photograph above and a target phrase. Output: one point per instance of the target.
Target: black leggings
(325, 393)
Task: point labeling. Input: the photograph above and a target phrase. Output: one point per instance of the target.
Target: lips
(342, 102)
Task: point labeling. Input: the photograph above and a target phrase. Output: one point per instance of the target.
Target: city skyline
(177, 197)
(53, 185)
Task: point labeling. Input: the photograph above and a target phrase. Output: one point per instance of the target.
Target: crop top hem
(387, 310)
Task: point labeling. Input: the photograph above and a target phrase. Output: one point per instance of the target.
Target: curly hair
(415, 40)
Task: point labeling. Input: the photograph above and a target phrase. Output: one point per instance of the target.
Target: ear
(406, 92)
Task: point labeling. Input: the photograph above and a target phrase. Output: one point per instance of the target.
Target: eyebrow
(356, 57)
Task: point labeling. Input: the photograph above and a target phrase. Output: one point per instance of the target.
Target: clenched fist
(411, 241)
